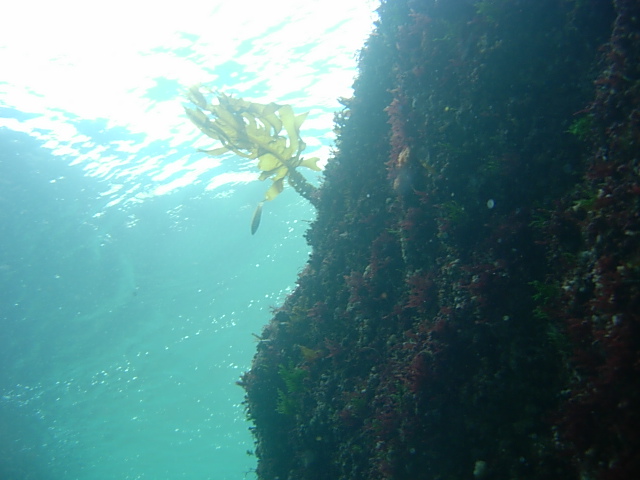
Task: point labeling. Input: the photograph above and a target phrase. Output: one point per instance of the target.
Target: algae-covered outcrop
(470, 307)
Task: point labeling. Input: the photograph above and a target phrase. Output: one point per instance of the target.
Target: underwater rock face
(470, 307)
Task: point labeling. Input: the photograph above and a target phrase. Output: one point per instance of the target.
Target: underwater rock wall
(470, 307)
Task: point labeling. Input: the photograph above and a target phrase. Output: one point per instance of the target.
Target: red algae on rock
(470, 307)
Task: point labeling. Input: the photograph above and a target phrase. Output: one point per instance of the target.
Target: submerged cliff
(470, 307)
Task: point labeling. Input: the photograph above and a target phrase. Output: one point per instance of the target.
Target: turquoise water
(130, 283)
(124, 329)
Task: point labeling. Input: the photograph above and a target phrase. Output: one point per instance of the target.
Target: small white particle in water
(491, 203)
(480, 469)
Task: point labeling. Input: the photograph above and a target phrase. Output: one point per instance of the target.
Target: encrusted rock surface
(471, 307)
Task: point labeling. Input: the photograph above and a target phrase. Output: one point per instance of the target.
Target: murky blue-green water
(123, 334)
(130, 284)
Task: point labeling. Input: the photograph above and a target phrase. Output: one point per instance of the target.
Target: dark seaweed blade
(257, 215)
